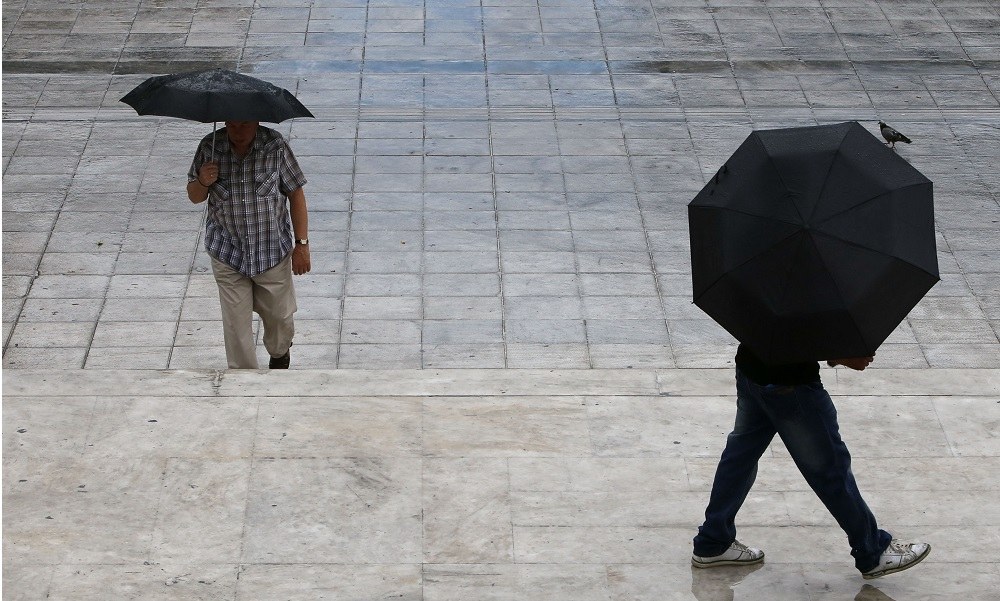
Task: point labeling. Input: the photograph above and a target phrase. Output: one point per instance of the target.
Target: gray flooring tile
(476, 355)
(514, 581)
(59, 334)
(84, 528)
(202, 502)
(461, 284)
(72, 264)
(461, 331)
(310, 429)
(550, 331)
(379, 356)
(54, 358)
(529, 355)
(297, 528)
(631, 355)
(128, 357)
(127, 333)
(402, 581)
(468, 511)
(69, 286)
(201, 357)
(61, 309)
(515, 428)
(462, 307)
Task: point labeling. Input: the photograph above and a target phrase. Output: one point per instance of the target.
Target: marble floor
(470, 484)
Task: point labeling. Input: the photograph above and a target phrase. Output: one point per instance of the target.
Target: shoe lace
(901, 548)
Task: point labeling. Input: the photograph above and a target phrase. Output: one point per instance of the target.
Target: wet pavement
(490, 185)
(494, 186)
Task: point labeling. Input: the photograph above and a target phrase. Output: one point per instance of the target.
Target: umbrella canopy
(214, 95)
(812, 243)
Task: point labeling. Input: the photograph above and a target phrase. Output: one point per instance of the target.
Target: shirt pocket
(221, 189)
(266, 185)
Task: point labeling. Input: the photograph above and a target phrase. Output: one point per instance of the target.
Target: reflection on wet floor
(871, 593)
(721, 584)
(752, 583)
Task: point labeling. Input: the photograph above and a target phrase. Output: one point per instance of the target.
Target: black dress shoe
(281, 362)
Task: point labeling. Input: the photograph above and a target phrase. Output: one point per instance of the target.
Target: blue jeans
(806, 420)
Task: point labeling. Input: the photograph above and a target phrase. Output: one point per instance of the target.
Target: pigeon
(891, 135)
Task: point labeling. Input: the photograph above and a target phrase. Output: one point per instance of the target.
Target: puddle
(671, 66)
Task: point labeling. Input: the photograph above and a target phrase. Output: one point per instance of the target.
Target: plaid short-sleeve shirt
(247, 223)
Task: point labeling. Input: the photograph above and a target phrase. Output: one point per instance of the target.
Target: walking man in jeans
(789, 400)
(253, 185)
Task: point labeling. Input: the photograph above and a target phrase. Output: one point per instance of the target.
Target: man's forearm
(197, 193)
(300, 225)
(299, 214)
(856, 363)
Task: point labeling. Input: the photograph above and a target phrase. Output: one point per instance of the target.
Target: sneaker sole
(919, 558)
(726, 562)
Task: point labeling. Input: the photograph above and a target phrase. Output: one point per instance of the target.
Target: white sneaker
(898, 557)
(737, 554)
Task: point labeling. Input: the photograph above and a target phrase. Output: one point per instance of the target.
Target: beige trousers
(271, 295)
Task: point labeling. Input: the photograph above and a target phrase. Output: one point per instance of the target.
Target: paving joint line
(973, 114)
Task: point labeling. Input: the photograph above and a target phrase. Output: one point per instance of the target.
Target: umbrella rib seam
(868, 248)
(840, 296)
(849, 310)
(777, 172)
(749, 214)
(749, 259)
(829, 170)
(872, 199)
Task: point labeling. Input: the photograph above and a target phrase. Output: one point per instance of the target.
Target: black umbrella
(812, 243)
(214, 95)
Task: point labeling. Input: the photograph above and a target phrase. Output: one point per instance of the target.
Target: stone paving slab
(461, 484)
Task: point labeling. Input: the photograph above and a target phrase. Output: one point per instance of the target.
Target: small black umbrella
(812, 243)
(214, 95)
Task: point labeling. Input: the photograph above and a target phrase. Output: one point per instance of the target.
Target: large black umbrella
(812, 243)
(214, 95)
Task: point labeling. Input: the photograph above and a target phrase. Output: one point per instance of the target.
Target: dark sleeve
(789, 374)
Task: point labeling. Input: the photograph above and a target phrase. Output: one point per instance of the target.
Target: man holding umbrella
(809, 243)
(256, 232)
(252, 183)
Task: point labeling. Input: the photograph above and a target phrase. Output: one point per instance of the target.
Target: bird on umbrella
(891, 135)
